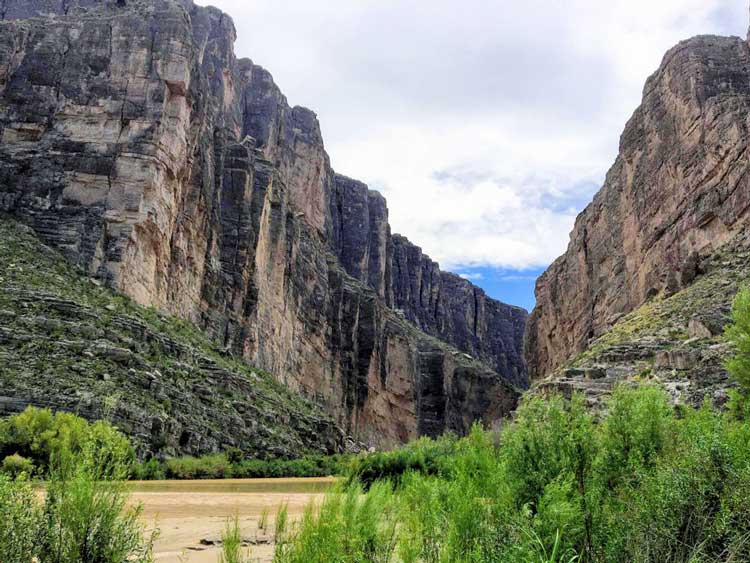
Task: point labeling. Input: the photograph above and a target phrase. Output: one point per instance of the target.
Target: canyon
(654, 261)
(138, 146)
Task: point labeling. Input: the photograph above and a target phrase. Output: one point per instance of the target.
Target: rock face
(439, 303)
(678, 193)
(68, 344)
(137, 144)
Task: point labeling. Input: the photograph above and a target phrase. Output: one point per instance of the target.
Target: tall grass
(19, 521)
(84, 516)
(645, 483)
(348, 526)
(231, 544)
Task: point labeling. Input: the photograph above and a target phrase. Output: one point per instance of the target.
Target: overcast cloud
(488, 125)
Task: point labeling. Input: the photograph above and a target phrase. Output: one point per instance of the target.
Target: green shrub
(349, 526)
(738, 366)
(645, 483)
(84, 515)
(16, 465)
(149, 470)
(423, 456)
(215, 466)
(40, 435)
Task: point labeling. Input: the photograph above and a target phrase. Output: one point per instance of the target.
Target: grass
(232, 550)
(84, 515)
(646, 482)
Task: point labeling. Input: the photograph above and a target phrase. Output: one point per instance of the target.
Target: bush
(214, 466)
(40, 436)
(218, 466)
(152, 469)
(16, 465)
(645, 483)
(738, 366)
(84, 516)
(423, 456)
(350, 525)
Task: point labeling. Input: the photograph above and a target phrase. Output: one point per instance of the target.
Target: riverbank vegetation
(643, 481)
(29, 440)
(82, 515)
(233, 465)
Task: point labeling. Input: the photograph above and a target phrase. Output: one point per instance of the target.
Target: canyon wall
(678, 192)
(137, 144)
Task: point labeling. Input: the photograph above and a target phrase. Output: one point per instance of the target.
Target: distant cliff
(655, 259)
(137, 144)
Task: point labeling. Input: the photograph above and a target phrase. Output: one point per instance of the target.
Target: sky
(487, 125)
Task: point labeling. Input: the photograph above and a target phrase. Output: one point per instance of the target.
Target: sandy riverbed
(188, 511)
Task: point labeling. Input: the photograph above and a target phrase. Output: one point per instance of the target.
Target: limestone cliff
(137, 144)
(659, 249)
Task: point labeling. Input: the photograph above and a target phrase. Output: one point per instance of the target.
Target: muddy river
(192, 514)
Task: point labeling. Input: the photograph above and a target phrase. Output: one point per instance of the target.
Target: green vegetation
(31, 440)
(646, 482)
(425, 456)
(221, 466)
(231, 544)
(738, 366)
(82, 515)
(68, 342)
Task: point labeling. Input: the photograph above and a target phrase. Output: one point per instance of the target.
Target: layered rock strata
(137, 144)
(677, 194)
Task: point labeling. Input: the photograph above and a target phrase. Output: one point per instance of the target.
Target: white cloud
(488, 127)
(472, 276)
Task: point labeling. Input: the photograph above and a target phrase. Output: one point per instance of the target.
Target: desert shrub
(40, 435)
(215, 466)
(643, 483)
(16, 465)
(153, 469)
(85, 516)
(737, 332)
(423, 456)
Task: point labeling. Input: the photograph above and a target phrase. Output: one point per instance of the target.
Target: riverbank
(192, 514)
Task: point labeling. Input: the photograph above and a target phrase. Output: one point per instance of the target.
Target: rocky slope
(137, 144)
(69, 344)
(677, 194)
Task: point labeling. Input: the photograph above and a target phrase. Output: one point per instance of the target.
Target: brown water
(186, 512)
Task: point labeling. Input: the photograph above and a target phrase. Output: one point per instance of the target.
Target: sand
(186, 512)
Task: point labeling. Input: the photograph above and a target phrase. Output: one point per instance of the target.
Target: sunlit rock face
(135, 142)
(678, 192)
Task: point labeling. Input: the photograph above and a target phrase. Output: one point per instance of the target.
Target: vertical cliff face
(678, 192)
(439, 303)
(135, 142)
